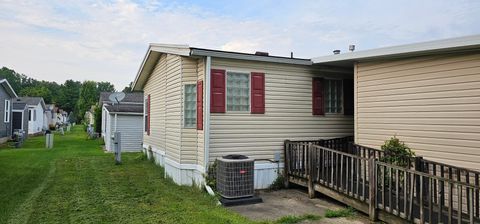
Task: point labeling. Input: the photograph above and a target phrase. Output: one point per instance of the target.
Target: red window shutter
(217, 93)
(258, 93)
(317, 97)
(148, 115)
(200, 105)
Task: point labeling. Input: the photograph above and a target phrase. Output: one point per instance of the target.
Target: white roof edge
(415, 48)
(179, 49)
(9, 86)
(186, 50)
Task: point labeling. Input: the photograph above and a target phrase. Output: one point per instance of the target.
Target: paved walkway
(277, 204)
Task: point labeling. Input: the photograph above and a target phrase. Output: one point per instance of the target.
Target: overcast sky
(107, 40)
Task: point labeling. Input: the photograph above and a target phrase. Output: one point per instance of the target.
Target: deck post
(286, 161)
(310, 169)
(372, 205)
(418, 167)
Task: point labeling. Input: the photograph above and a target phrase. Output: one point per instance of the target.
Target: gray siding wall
(131, 127)
(5, 128)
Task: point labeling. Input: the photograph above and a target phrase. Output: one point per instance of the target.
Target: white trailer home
(126, 118)
(36, 113)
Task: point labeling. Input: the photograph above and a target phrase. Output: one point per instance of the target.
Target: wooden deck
(414, 194)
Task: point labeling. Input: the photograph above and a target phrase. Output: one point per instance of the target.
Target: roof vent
(261, 53)
(351, 48)
(336, 51)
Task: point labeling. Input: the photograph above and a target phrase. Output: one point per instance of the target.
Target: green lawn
(76, 182)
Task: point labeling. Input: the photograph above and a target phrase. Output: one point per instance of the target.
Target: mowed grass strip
(77, 182)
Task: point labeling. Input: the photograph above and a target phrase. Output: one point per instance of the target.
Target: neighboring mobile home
(427, 94)
(7, 94)
(203, 104)
(126, 118)
(36, 113)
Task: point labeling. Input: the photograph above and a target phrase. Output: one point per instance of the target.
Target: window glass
(238, 91)
(190, 106)
(145, 114)
(6, 116)
(333, 96)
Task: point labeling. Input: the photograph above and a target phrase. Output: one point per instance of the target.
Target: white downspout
(206, 134)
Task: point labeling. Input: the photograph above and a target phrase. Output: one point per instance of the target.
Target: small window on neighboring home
(333, 96)
(145, 115)
(30, 114)
(34, 115)
(190, 106)
(238, 91)
(6, 117)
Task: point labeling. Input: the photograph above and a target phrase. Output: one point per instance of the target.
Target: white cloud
(106, 40)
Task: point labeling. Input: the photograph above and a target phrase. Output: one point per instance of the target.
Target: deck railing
(423, 192)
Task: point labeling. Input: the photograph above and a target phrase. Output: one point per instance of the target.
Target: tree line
(71, 96)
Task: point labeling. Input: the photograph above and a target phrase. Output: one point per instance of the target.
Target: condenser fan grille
(235, 175)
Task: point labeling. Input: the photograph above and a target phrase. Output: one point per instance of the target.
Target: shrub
(278, 183)
(211, 178)
(397, 152)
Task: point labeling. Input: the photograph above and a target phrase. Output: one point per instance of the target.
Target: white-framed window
(6, 117)
(333, 96)
(238, 91)
(190, 106)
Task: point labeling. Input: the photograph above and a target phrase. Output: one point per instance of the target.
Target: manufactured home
(203, 104)
(126, 118)
(7, 94)
(36, 114)
(427, 94)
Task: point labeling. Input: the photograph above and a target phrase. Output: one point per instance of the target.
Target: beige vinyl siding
(288, 113)
(189, 135)
(432, 103)
(164, 87)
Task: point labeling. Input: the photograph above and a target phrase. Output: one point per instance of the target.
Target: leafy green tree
(128, 89)
(68, 95)
(98, 119)
(88, 96)
(37, 91)
(105, 87)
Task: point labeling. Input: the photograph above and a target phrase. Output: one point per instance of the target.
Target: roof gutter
(125, 113)
(12, 92)
(467, 43)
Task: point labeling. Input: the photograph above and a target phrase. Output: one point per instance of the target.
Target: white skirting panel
(182, 174)
(190, 174)
(266, 173)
